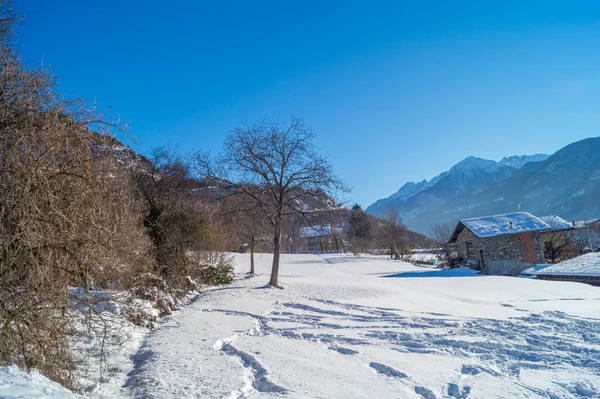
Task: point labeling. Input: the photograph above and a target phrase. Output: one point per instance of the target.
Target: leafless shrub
(392, 233)
(247, 220)
(441, 234)
(187, 234)
(559, 246)
(67, 214)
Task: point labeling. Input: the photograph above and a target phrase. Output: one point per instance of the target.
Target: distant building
(587, 234)
(316, 231)
(504, 244)
(320, 239)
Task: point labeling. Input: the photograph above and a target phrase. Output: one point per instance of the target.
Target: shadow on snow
(460, 272)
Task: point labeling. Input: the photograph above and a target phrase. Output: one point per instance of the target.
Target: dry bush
(391, 233)
(67, 215)
(245, 221)
(187, 235)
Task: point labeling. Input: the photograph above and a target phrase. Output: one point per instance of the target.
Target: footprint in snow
(457, 392)
(387, 370)
(425, 393)
(470, 370)
(474, 370)
(261, 383)
(343, 351)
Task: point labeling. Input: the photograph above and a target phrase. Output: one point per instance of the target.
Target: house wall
(587, 237)
(319, 245)
(507, 254)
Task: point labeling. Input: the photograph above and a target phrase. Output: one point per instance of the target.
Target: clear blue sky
(397, 90)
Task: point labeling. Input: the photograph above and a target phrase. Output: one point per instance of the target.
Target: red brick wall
(527, 249)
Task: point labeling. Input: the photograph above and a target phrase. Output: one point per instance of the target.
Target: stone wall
(507, 254)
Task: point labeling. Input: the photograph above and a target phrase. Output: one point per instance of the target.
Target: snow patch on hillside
(518, 161)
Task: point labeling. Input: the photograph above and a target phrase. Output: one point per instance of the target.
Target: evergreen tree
(359, 229)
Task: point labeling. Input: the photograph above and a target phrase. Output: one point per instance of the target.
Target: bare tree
(247, 219)
(278, 166)
(441, 232)
(392, 233)
(559, 246)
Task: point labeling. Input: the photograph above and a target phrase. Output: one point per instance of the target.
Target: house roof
(556, 222)
(316, 231)
(509, 223)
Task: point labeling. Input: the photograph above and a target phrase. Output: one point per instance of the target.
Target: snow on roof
(315, 231)
(585, 265)
(556, 222)
(509, 223)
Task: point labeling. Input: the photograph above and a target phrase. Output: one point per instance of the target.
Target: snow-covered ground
(366, 327)
(370, 327)
(17, 384)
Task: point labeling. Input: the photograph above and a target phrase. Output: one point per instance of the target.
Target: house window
(470, 250)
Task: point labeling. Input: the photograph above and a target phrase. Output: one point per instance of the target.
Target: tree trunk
(276, 253)
(252, 255)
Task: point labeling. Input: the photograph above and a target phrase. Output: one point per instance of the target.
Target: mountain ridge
(566, 183)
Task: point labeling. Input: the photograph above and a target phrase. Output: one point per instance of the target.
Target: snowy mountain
(469, 174)
(566, 183)
(410, 189)
(518, 161)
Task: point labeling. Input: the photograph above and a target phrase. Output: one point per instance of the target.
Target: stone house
(320, 239)
(504, 244)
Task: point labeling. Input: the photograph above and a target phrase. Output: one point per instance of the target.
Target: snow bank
(584, 265)
(532, 271)
(18, 384)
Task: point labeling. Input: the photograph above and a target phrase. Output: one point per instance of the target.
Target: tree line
(386, 233)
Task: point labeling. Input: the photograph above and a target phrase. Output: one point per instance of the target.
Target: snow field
(363, 327)
(352, 327)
